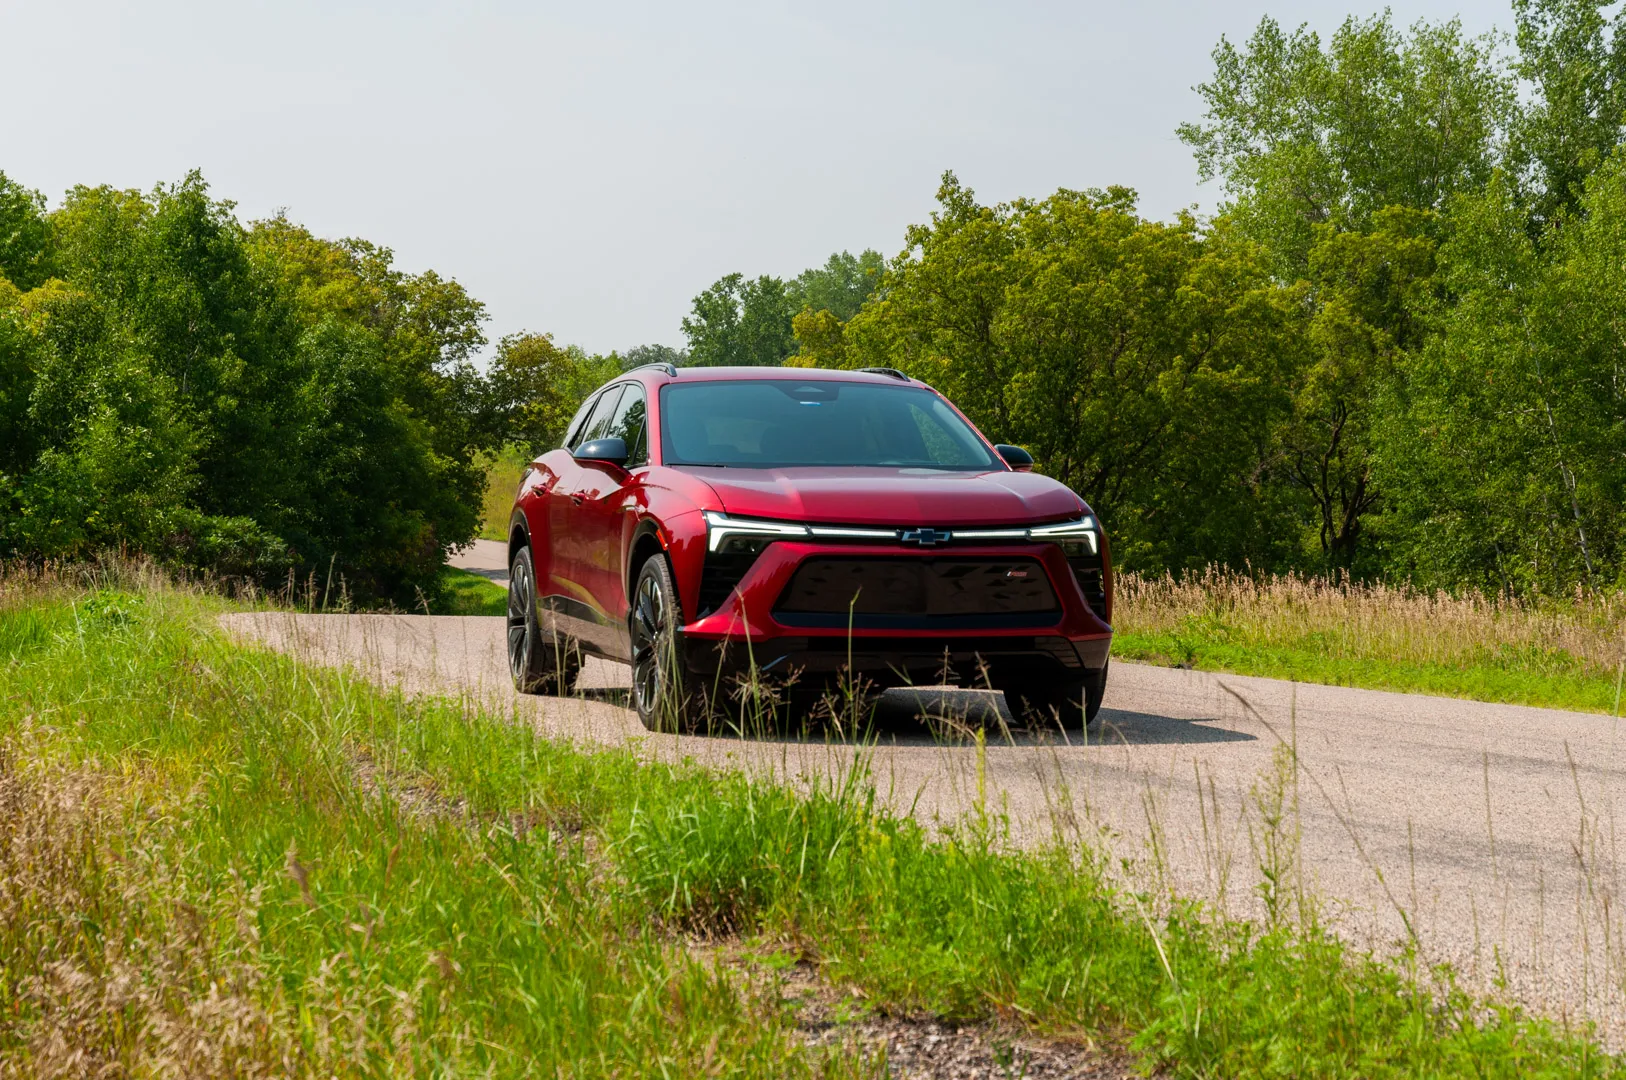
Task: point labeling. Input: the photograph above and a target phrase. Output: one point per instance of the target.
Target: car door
(607, 514)
(567, 593)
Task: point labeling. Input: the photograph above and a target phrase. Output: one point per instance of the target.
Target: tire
(661, 694)
(1072, 704)
(540, 663)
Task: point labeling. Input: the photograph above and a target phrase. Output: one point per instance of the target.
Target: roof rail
(892, 371)
(670, 369)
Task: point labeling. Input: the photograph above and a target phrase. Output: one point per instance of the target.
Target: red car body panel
(589, 525)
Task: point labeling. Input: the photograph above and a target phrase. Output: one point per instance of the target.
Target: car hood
(883, 496)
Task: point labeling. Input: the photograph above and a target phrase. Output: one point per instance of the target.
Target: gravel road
(1486, 833)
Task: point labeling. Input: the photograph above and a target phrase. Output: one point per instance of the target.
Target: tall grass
(503, 472)
(215, 859)
(1564, 651)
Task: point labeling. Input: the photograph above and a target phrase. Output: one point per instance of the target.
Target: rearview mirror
(1016, 457)
(611, 451)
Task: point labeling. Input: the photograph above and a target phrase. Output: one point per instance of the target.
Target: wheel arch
(646, 542)
(519, 534)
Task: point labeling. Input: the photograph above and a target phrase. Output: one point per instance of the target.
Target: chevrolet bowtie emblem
(924, 537)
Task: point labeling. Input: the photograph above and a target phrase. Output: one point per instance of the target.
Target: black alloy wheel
(658, 690)
(540, 663)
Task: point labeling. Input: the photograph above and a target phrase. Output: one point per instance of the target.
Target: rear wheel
(540, 663)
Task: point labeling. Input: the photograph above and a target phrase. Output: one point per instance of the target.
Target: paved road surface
(1490, 830)
(488, 558)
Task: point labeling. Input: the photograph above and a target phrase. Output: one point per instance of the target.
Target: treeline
(252, 400)
(1398, 350)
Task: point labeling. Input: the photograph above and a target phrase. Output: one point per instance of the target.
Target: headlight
(742, 534)
(739, 535)
(1083, 532)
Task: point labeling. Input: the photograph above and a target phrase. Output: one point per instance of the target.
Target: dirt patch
(915, 1047)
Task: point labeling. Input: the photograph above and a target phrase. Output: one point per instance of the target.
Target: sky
(585, 169)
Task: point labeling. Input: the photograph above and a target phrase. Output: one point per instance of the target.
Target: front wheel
(1074, 704)
(540, 663)
(660, 693)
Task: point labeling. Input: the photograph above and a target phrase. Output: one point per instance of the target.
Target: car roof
(798, 374)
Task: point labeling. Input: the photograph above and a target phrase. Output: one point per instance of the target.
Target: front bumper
(751, 629)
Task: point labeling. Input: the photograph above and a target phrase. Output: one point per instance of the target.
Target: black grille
(905, 593)
(722, 572)
(1087, 569)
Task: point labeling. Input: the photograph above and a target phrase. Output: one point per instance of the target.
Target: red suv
(721, 528)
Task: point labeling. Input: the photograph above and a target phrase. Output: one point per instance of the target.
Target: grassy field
(503, 472)
(463, 593)
(214, 860)
(1558, 653)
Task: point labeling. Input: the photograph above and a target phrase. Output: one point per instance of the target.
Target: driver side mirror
(1016, 457)
(609, 451)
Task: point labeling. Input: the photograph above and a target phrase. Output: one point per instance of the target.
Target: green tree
(741, 322)
(1142, 363)
(1576, 63)
(1504, 442)
(1363, 297)
(24, 235)
(840, 286)
(1302, 135)
(639, 355)
(536, 387)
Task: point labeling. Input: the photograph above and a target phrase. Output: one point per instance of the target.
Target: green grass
(503, 472)
(463, 593)
(218, 860)
(1552, 679)
(1558, 653)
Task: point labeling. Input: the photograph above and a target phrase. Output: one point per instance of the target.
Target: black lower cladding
(898, 660)
(918, 593)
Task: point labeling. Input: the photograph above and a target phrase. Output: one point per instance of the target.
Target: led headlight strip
(721, 527)
(1085, 528)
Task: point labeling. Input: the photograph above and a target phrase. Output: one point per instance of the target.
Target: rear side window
(628, 425)
(598, 423)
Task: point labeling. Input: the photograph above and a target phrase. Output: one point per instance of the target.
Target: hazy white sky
(586, 168)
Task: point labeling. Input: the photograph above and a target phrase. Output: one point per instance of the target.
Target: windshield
(771, 423)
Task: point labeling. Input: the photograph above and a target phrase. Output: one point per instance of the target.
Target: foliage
(536, 386)
(250, 400)
(754, 323)
(1143, 363)
(1576, 63)
(639, 355)
(1303, 135)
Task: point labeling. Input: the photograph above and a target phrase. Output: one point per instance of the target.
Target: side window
(573, 433)
(628, 425)
(599, 422)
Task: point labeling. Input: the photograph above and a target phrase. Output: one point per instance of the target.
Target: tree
(1363, 298)
(639, 355)
(536, 386)
(840, 286)
(1142, 363)
(244, 399)
(741, 322)
(1577, 65)
(24, 236)
(1303, 136)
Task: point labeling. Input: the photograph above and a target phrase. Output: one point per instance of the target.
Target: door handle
(577, 499)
